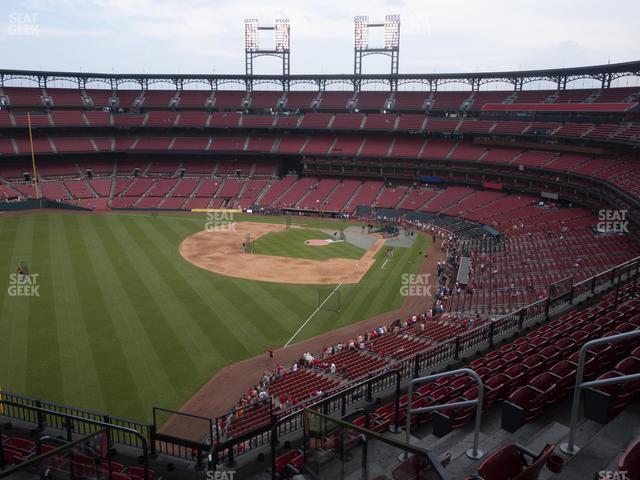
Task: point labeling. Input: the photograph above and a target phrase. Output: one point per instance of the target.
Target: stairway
(600, 445)
(347, 205)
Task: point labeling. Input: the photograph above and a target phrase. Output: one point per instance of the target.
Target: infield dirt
(221, 252)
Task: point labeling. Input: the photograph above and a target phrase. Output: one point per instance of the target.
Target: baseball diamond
(276, 275)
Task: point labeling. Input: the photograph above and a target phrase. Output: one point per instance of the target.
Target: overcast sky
(204, 36)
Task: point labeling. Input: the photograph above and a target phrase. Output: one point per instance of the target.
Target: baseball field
(113, 317)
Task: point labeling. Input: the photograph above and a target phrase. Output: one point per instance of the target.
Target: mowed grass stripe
(378, 292)
(404, 261)
(139, 278)
(9, 228)
(77, 366)
(217, 290)
(16, 238)
(201, 219)
(285, 305)
(150, 380)
(181, 313)
(225, 299)
(82, 325)
(194, 289)
(112, 362)
(44, 371)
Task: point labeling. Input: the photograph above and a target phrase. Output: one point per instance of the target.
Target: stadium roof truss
(561, 77)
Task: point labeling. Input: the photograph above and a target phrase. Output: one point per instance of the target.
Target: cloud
(436, 35)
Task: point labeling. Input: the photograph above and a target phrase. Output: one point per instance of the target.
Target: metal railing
(570, 448)
(473, 452)
(57, 452)
(31, 410)
(91, 426)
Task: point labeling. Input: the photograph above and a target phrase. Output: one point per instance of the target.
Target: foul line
(385, 262)
(312, 315)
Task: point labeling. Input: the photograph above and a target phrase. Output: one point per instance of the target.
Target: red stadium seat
(21, 444)
(629, 461)
(295, 458)
(444, 421)
(604, 402)
(137, 473)
(534, 364)
(548, 383)
(517, 376)
(522, 406)
(510, 463)
(498, 384)
(415, 467)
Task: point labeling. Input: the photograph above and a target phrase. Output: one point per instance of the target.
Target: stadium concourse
(532, 196)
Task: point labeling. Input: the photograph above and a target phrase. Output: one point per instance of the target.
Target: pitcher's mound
(317, 242)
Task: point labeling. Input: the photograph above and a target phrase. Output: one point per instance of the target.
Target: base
(564, 448)
(478, 454)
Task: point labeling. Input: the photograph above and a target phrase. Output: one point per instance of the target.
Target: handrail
(472, 452)
(408, 447)
(570, 448)
(108, 426)
(43, 456)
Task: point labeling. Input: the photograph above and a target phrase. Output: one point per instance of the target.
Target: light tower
(391, 46)
(252, 46)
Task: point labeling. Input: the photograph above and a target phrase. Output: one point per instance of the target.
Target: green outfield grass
(122, 322)
(290, 243)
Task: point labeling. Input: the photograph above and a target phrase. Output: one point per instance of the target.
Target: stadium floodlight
(252, 50)
(391, 47)
(282, 34)
(392, 32)
(251, 34)
(361, 31)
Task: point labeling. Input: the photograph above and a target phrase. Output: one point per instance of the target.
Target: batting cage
(247, 246)
(329, 299)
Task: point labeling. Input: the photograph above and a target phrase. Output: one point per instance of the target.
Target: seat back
(504, 463)
(544, 382)
(628, 366)
(533, 471)
(630, 459)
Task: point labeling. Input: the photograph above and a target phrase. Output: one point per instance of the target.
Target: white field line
(385, 262)
(312, 315)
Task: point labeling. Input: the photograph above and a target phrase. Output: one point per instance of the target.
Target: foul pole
(33, 159)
